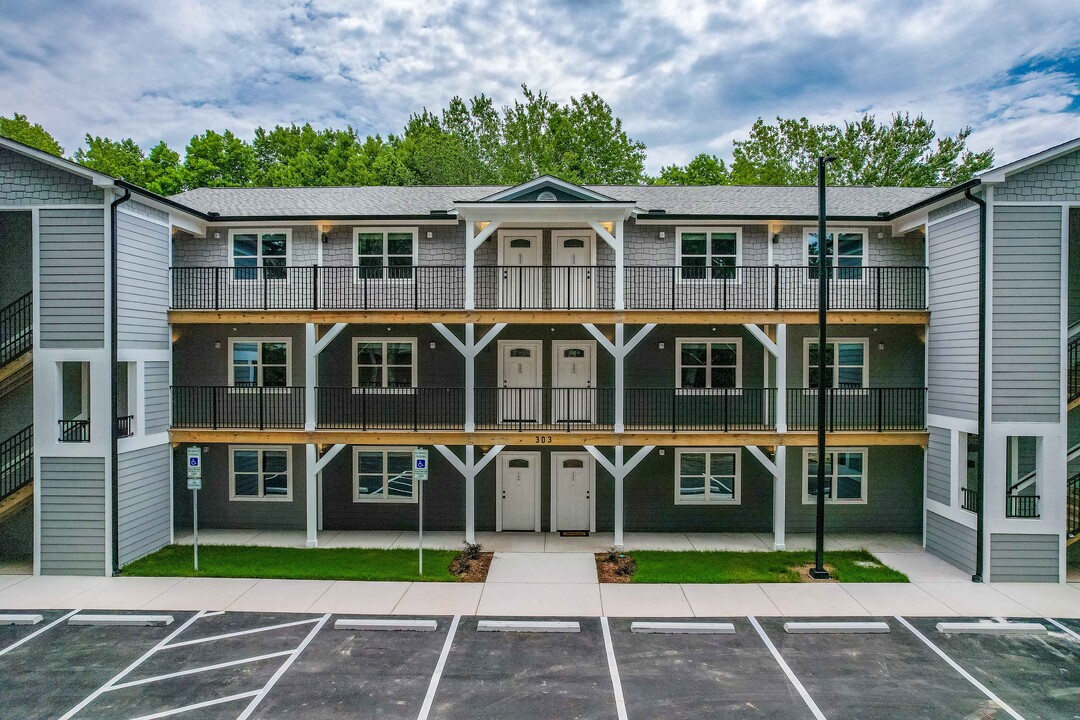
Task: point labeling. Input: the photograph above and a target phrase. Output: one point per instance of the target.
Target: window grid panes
(260, 363)
(707, 477)
(844, 252)
(260, 473)
(385, 363)
(384, 475)
(709, 254)
(252, 250)
(708, 364)
(845, 478)
(845, 364)
(385, 254)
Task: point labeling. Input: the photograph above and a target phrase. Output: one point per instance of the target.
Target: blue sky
(685, 77)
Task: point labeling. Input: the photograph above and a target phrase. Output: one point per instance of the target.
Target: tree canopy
(474, 142)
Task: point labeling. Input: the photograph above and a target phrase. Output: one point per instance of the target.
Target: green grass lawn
(294, 563)
(658, 566)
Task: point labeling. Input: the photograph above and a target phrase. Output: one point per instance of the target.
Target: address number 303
(543, 439)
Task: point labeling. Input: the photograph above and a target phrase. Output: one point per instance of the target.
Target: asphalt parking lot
(213, 666)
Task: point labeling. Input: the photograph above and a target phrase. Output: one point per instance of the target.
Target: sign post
(194, 483)
(420, 475)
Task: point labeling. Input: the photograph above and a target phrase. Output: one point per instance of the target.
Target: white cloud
(684, 76)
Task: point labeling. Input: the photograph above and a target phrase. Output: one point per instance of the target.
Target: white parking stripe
(196, 671)
(616, 682)
(434, 684)
(197, 706)
(34, 634)
(284, 667)
(787, 670)
(123, 673)
(967, 676)
(1063, 628)
(238, 633)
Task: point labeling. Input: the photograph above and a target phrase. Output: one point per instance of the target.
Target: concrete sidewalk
(513, 598)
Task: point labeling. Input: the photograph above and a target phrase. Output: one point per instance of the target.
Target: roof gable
(547, 188)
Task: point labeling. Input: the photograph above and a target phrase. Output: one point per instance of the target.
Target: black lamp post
(819, 572)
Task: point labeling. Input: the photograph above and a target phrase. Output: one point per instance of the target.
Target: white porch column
(470, 266)
(470, 380)
(780, 499)
(620, 510)
(470, 494)
(620, 268)
(311, 496)
(620, 379)
(781, 378)
(311, 375)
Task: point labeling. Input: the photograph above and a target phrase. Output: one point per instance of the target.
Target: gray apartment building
(575, 358)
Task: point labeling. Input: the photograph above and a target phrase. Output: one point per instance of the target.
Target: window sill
(385, 501)
(261, 498)
(708, 503)
(813, 501)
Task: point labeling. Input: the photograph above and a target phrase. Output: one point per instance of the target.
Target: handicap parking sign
(420, 464)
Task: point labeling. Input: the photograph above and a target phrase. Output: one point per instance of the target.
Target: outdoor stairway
(16, 337)
(1074, 370)
(16, 471)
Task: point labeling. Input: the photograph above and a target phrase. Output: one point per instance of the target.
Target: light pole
(819, 572)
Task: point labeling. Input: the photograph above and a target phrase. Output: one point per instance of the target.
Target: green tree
(904, 151)
(119, 158)
(18, 128)
(704, 169)
(219, 160)
(163, 172)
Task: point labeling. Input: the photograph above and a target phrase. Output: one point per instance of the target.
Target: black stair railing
(969, 499)
(16, 328)
(16, 461)
(1074, 368)
(1072, 505)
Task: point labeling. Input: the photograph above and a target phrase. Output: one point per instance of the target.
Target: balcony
(647, 288)
(125, 426)
(876, 410)
(74, 431)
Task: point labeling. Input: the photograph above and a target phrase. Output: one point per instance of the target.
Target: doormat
(573, 533)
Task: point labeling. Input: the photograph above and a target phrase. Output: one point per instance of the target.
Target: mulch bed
(804, 573)
(606, 571)
(477, 569)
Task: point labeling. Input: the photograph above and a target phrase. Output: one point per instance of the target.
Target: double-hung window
(845, 253)
(384, 362)
(714, 363)
(259, 473)
(845, 363)
(385, 253)
(709, 253)
(259, 362)
(707, 476)
(845, 476)
(383, 475)
(254, 249)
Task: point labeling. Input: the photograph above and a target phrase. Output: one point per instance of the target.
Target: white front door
(573, 490)
(572, 271)
(518, 486)
(521, 281)
(573, 381)
(521, 394)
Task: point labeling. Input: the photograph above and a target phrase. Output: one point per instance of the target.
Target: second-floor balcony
(545, 287)
(547, 409)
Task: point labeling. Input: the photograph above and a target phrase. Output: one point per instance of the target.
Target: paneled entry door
(572, 273)
(521, 281)
(574, 381)
(518, 487)
(573, 492)
(521, 368)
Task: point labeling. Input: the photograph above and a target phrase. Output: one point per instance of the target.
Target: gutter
(980, 469)
(964, 186)
(113, 364)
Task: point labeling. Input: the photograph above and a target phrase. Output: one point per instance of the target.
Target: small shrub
(472, 551)
(612, 555)
(626, 566)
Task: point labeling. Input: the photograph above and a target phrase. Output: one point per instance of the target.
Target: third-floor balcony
(518, 287)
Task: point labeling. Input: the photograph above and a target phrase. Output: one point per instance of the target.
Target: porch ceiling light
(481, 225)
(609, 226)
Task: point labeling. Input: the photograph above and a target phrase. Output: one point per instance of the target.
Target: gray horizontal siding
(156, 397)
(952, 542)
(938, 475)
(144, 497)
(1023, 558)
(952, 371)
(72, 276)
(142, 301)
(72, 537)
(1026, 356)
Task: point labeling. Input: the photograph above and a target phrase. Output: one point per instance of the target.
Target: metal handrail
(72, 431)
(16, 328)
(16, 461)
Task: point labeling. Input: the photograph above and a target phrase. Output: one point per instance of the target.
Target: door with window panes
(385, 372)
(260, 395)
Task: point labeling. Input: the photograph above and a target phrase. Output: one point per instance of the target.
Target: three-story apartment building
(601, 358)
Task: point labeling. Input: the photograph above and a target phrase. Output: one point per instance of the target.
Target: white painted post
(470, 377)
(781, 378)
(311, 498)
(311, 375)
(620, 380)
(620, 268)
(620, 475)
(780, 498)
(470, 266)
(470, 494)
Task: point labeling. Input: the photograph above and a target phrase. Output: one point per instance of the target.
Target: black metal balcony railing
(74, 431)
(969, 499)
(512, 287)
(16, 328)
(1022, 506)
(548, 409)
(125, 426)
(866, 409)
(16, 461)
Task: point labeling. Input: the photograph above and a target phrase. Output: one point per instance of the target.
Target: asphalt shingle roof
(754, 201)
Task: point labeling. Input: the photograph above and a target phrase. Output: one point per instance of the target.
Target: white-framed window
(259, 362)
(845, 476)
(847, 363)
(712, 363)
(385, 253)
(384, 362)
(708, 253)
(845, 252)
(383, 474)
(708, 476)
(254, 249)
(260, 472)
